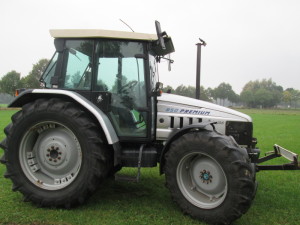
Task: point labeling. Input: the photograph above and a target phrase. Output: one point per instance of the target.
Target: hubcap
(201, 180)
(206, 177)
(50, 155)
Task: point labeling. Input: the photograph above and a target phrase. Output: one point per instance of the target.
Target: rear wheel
(54, 153)
(209, 177)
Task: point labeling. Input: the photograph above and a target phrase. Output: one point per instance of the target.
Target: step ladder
(134, 179)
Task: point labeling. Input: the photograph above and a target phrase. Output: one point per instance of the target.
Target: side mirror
(160, 35)
(163, 45)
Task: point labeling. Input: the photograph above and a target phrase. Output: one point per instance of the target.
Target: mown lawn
(3, 105)
(148, 202)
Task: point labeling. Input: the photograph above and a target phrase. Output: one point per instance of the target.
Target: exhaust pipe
(198, 67)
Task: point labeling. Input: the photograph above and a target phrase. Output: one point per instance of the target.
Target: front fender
(177, 134)
(104, 122)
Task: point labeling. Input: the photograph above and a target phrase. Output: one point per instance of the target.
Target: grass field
(149, 202)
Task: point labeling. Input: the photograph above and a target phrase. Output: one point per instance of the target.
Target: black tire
(209, 177)
(54, 153)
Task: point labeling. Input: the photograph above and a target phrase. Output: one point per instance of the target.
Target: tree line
(13, 80)
(263, 93)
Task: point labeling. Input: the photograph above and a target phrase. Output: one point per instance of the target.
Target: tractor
(101, 108)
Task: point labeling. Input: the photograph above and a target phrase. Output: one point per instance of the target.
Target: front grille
(240, 131)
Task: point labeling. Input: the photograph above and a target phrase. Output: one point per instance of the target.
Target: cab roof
(93, 33)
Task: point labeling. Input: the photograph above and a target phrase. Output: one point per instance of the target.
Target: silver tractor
(101, 108)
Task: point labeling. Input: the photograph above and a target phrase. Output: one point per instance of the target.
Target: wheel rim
(201, 180)
(50, 155)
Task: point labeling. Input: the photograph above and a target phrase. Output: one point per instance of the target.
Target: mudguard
(178, 133)
(104, 122)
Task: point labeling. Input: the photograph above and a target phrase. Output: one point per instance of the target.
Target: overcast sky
(246, 39)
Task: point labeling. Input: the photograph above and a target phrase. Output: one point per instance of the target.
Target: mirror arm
(170, 60)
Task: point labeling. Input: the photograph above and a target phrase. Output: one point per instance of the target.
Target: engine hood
(175, 104)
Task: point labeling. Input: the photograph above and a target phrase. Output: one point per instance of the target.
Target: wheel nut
(48, 150)
(58, 158)
(48, 155)
(55, 160)
(50, 159)
(60, 153)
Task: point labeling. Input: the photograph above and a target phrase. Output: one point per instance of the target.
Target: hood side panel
(175, 112)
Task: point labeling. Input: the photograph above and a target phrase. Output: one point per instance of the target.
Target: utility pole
(199, 67)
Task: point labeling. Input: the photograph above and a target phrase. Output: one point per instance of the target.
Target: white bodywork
(111, 34)
(176, 111)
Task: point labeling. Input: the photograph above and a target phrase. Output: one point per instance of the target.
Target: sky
(246, 39)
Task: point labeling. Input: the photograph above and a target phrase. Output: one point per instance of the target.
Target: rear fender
(104, 122)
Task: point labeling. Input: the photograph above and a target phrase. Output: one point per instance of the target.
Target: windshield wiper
(73, 52)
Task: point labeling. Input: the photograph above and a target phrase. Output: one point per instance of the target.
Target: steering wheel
(128, 86)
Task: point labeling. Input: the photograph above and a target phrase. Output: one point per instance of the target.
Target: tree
(287, 97)
(188, 91)
(234, 98)
(10, 82)
(210, 93)
(224, 91)
(263, 97)
(290, 95)
(247, 97)
(205, 94)
(5, 98)
(168, 89)
(32, 80)
(264, 93)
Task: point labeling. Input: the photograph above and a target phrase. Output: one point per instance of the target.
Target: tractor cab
(115, 70)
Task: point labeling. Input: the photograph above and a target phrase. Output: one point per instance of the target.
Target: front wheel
(209, 177)
(54, 153)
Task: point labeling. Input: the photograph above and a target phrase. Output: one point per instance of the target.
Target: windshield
(72, 68)
(50, 70)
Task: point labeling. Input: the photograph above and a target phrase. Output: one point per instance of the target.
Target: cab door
(119, 88)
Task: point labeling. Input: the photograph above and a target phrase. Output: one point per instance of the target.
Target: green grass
(3, 105)
(149, 202)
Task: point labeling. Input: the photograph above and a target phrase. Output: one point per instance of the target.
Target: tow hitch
(278, 152)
